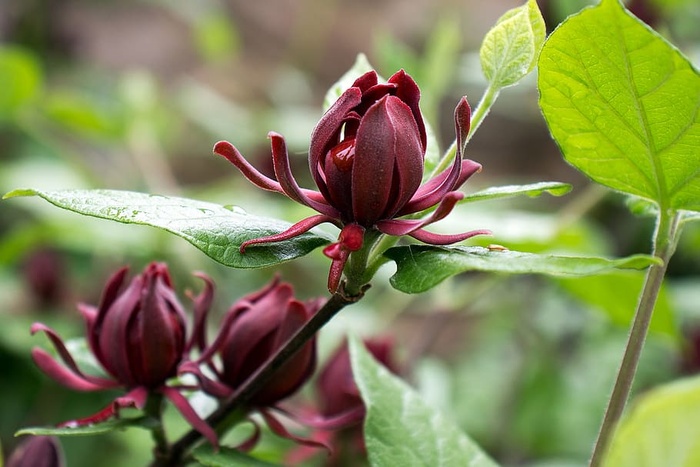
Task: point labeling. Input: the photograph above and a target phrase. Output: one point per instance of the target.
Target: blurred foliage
(522, 364)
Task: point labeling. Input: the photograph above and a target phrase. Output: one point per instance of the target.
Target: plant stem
(261, 377)
(482, 109)
(665, 240)
(154, 409)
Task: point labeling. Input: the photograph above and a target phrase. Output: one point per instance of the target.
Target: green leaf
(509, 50)
(20, 80)
(421, 267)
(88, 430)
(532, 190)
(623, 105)
(662, 428)
(400, 428)
(359, 68)
(226, 457)
(216, 230)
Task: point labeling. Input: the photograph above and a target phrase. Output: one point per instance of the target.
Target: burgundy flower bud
(45, 275)
(37, 451)
(366, 157)
(338, 394)
(254, 328)
(138, 334)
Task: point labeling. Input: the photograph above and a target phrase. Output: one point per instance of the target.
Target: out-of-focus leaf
(421, 267)
(510, 49)
(87, 430)
(662, 428)
(83, 115)
(532, 190)
(401, 429)
(622, 103)
(20, 80)
(215, 36)
(226, 457)
(216, 230)
(616, 294)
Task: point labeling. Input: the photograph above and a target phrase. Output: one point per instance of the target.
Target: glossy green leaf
(509, 50)
(216, 230)
(662, 429)
(88, 430)
(623, 105)
(400, 428)
(532, 190)
(421, 267)
(20, 79)
(226, 457)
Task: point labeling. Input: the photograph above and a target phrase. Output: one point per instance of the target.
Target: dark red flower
(366, 157)
(138, 335)
(37, 451)
(254, 328)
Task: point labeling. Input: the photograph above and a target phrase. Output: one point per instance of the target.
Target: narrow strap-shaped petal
(68, 359)
(283, 171)
(201, 304)
(136, 398)
(229, 152)
(61, 374)
(440, 239)
(184, 407)
(295, 230)
(338, 421)
(279, 429)
(208, 385)
(413, 227)
(253, 439)
(431, 192)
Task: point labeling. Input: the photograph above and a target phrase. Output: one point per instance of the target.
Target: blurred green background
(133, 94)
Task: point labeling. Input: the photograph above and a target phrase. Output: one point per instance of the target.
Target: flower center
(343, 155)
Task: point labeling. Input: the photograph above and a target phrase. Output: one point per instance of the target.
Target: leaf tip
(19, 192)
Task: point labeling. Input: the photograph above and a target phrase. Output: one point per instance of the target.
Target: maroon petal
(208, 385)
(294, 231)
(252, 440)
(66, 357)
(136, 398)
(229, 152)
(111, 291)
(201, 304)
(407, 90)
(328, 129)
(184, 407)
(439, 239)
(278, 428)
(280, 160)
(366, 81)
(387, 131)
(436, 188)
(400, 227)
(61, 374)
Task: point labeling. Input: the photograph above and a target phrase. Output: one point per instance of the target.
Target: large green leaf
(400, 428)
(509, 50)
(622, 103)
(662, 429)
(89, 430)
(226, 457)
(216, 230)
(421, 267)
(20, 80)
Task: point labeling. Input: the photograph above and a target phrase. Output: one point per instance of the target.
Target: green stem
(665, 240)
(482, 109)
(154, 409)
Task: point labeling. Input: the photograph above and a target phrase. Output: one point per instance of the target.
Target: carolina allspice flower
(37, 451)
(138, 335)
(254, 328)
(367, 158)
